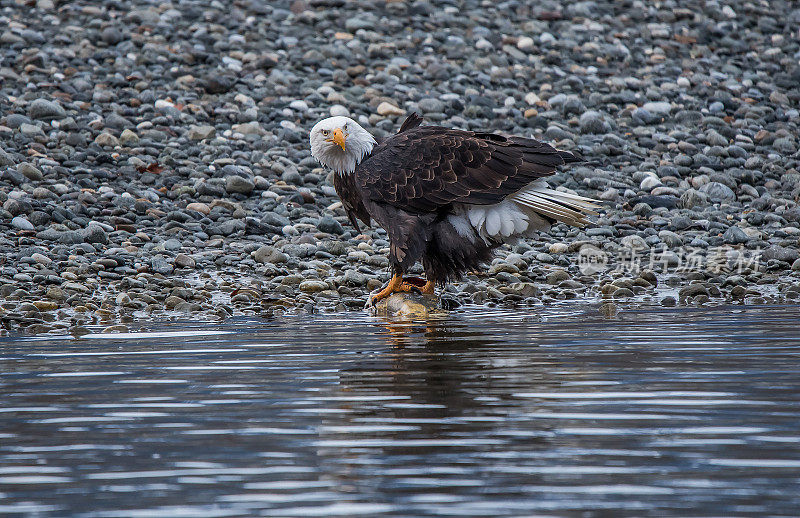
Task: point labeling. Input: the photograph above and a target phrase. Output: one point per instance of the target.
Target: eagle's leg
(394, 284)
(397, 285)
(416, 285)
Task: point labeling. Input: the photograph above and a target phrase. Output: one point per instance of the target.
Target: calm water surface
(562, 412)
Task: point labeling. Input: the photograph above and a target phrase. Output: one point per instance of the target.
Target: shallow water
(561, 412)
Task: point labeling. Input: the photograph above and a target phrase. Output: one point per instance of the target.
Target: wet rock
(116, 328)
(45, 305)
(693, 290)
(354, 278)
(780, 253)
(556, 277)
(268, 254)
(669, 301)
(313, 286)
(160, 265)
(608, 309)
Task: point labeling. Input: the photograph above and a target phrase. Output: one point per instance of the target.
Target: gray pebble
(717, 192)
(237, 184)
(734, 236)
(160, 265)
(330, 225)
(184, 261)
(94, 234)
(45, 109)
(21, 223)
(30, 171)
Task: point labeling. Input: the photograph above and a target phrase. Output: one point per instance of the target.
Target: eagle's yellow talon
(396, 285)
(408, 288)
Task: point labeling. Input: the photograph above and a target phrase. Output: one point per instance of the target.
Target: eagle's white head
(340, 143)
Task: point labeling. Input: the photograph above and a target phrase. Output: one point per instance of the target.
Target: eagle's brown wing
(351, 199)
(423, 169)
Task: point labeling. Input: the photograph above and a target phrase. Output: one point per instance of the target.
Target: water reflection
(561, 413)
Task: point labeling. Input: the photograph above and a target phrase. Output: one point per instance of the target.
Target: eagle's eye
(325, 133)
(345, 127)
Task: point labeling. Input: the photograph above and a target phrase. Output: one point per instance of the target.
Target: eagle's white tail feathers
(523, 214)
(562, 206)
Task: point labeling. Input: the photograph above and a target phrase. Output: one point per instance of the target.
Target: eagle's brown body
(423, 183)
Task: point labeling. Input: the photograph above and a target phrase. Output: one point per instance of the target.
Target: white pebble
(299, 105)
(531, 98)
(525, 43)
(650, 183)
(658, 107)
(337, 110)
(483, 44)
(289, 230)
(546, 37)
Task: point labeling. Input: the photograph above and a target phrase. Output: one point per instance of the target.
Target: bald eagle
(446, 197)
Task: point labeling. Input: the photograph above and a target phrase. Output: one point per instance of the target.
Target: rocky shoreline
(154, 159)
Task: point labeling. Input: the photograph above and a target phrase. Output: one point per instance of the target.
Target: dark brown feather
(351, 199)
(425, 168)
(412, 121)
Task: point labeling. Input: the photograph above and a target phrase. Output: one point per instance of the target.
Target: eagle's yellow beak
(338, 137)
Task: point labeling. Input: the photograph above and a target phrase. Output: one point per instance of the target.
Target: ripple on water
(553, 411)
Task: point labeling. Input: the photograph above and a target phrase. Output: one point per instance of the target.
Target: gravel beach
(154, 158)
